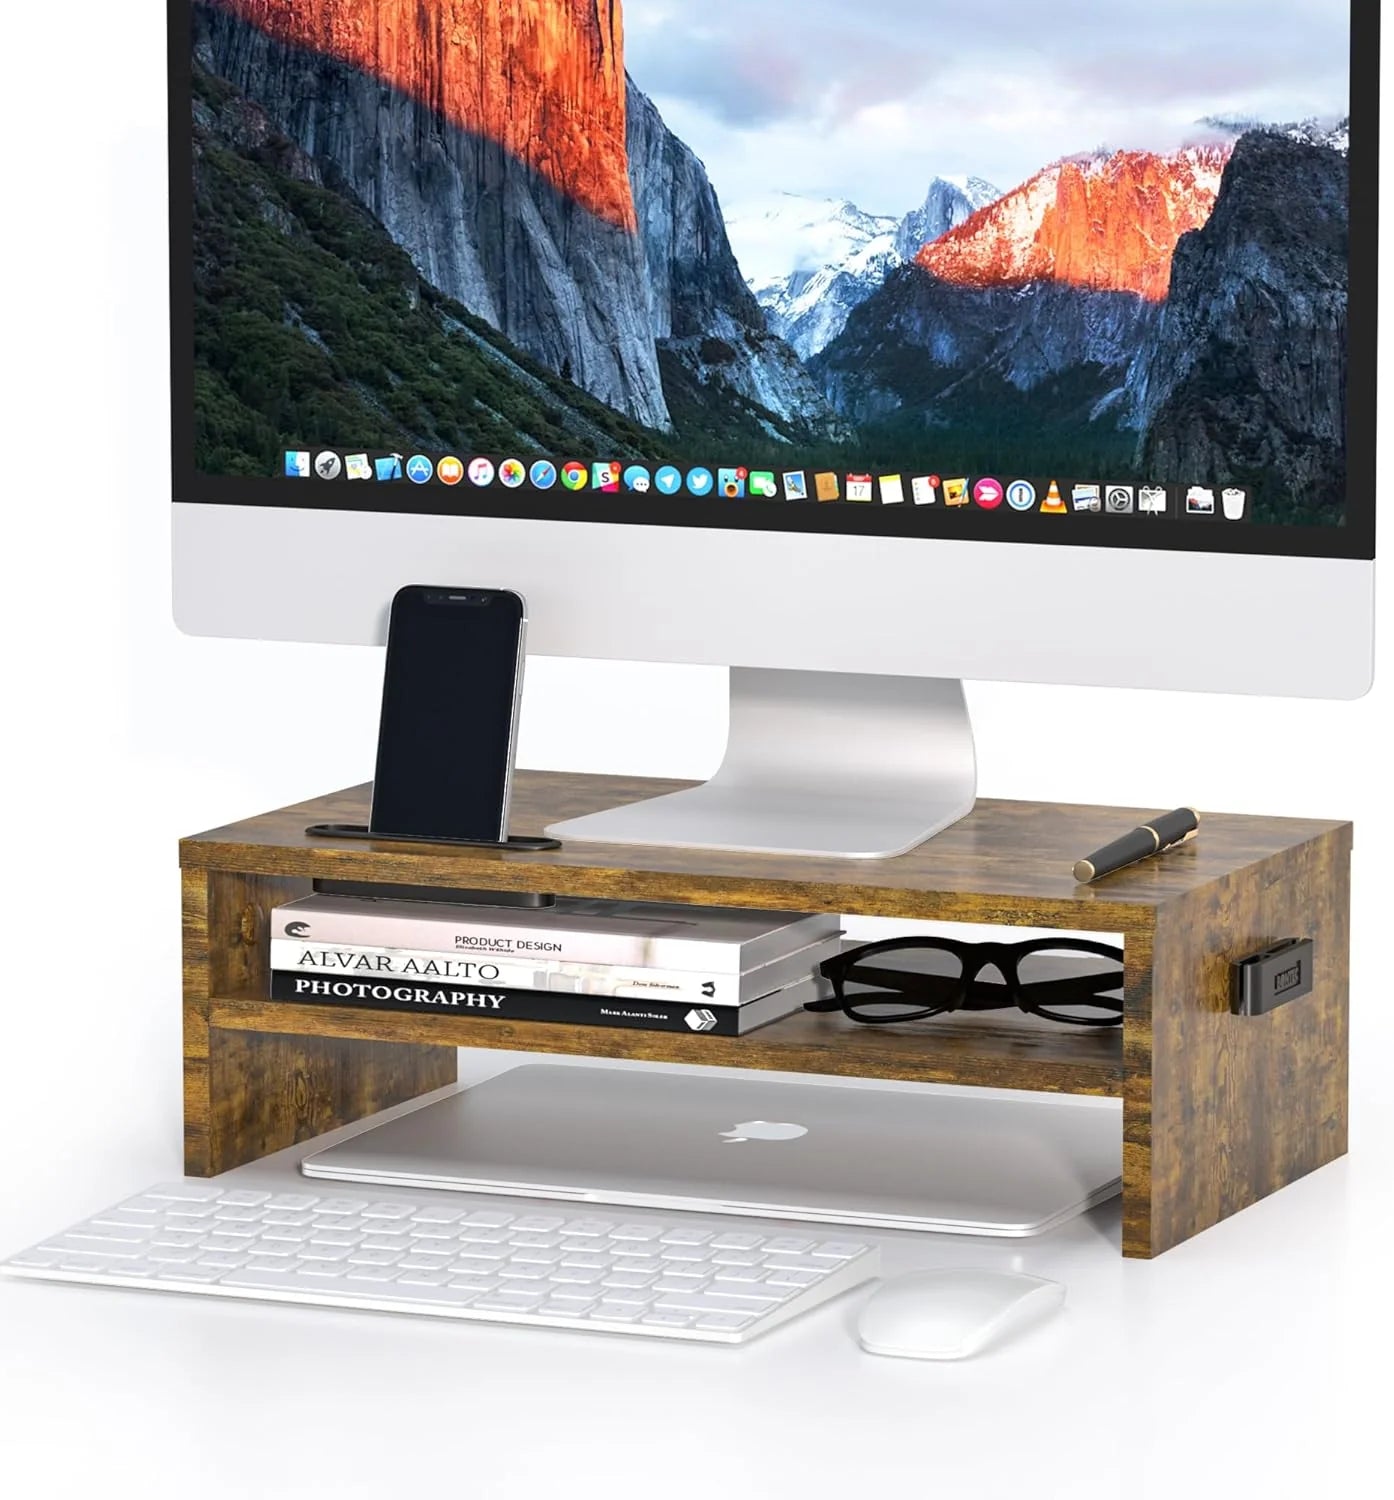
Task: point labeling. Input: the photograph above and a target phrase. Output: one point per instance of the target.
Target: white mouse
(952, 1314)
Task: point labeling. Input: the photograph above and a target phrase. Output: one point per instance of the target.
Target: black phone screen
(445, 740)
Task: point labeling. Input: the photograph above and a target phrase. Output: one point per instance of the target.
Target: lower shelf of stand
(986, 1052)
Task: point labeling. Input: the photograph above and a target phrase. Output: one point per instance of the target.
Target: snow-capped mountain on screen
(811, 261)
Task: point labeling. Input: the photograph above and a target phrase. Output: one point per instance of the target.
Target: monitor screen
(1092, 275)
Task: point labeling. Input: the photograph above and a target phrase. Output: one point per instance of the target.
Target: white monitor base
(819, 764)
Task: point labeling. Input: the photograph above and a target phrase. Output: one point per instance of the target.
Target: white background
(1252, 1360)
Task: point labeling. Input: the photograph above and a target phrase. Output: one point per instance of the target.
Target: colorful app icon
(1236, 503)
(1152, 500)
(637, 479)
(575, 476)
(763, 485)
(1021, 494)
(297, 465)
(988, 494)
(956, 492)
(513, 473)
(358, 466)
(481, 472)
(1054, 503)
(543, 474)
(892, 489)
(420, 469)
(796, 485)
(328, 465)
(827, 487)
(924, 489)
(859, 488)
(450, 470)
(668, 480)
(700, 481)
(1087, 498)
(1120, 499)
(1200, 501)
(606, 478)
(730, 483)
(389, 468)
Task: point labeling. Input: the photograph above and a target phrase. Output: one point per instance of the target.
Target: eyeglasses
(1071, 980)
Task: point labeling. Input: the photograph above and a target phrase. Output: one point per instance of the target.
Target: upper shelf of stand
(1007, 862)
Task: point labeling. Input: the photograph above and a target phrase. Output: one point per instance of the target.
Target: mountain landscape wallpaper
(898, 236)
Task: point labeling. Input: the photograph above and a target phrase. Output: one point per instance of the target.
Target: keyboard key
(438, 1216)
(200, 1275)
(69, 1244)
(538, 1223)
(147, 1203)
(371, 1256)
(736, 1241)
(567, 1309)
(434, 1296)
(221, 1260)
(725, 1322)
(322, 1270)
(43, 1260)
(516, 1272)
(687, 1237)
(433, 1231)
(737, 1258)
(387, 1241)
(270, 1281)
(482, 1252)
(328, 1254)
(192, 1211)
(787, 1245)
(118, 1218)
(176, 1255)
(126, 1234)
(505, 1301)
(639, 1233)
(417, 1277)
(535, 1241)
(616, 1312)
(537, 1257)
(710, 1302)
(237, 1215)
(242, 1199)
(667, 1284)
(646, 1265)
(294, 1201)
(482, 1234)
(185, 1192)
(341, 1221)
(794, 1278)
(798, 1263)
(577, 1275)
(334, 1237)
(224, 1230)
(392, 1212)
(589, 1228)
(343, 1206)
(487, 1218)
(586, 1262)
(748, 1275)
(94, 1265)
(474, 1283)
(668, 1319)
(371, 1273)
(288, 1218)
(685, 1254)
(177, 1237)
(416, 1261)
(838, 1250)
(283, 1234)
(630, 1279)
(629, 1297)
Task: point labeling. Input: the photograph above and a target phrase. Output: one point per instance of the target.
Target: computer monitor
(862, 349)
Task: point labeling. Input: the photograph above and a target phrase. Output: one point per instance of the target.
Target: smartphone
(450, 698)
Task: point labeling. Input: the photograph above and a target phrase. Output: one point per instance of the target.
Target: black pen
(1165, 832)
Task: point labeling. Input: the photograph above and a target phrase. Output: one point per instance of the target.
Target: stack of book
(588, 963)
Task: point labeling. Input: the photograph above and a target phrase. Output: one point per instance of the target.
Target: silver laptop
(955, 1161)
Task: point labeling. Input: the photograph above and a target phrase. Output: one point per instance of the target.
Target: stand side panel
(1242, 1106)
(1137, 1095)
(248, 1093)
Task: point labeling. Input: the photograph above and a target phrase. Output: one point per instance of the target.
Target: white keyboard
(667, 1278)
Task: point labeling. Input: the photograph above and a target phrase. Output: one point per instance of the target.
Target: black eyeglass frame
(968, 991)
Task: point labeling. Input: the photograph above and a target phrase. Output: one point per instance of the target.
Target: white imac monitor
(863, 349)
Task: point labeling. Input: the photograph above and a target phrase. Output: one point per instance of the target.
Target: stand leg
(818, 763)
(247, 1093)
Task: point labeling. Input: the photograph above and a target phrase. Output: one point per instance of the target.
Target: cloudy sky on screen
(869, 99)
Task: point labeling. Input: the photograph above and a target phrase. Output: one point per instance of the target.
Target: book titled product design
(494, 1003)
(553, 976)
(641, 935)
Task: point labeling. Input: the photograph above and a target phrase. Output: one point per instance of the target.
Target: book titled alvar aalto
(554, 976)
(492, 1003)
(637, 934)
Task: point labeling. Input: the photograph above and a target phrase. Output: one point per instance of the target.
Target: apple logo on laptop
(763, 1130)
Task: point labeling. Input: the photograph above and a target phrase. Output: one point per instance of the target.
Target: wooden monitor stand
(1218, 1110)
